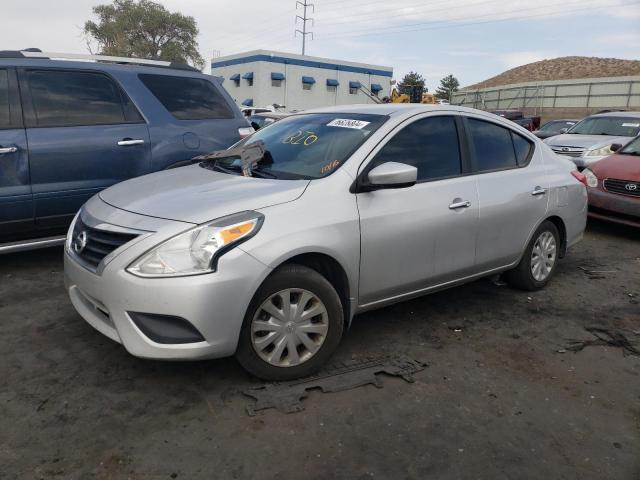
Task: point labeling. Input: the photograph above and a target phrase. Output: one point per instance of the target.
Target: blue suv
(69, 129)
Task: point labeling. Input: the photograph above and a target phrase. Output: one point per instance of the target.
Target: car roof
(618, 114)
(392, 109)
(99, 66)
(271, 114)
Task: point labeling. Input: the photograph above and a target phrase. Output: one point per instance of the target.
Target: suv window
(187, 98)
(66, 98)
(494, 149)
(5, 113)
(430, 145)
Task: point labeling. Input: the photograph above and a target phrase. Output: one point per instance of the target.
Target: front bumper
(214, 303)
(613, 207)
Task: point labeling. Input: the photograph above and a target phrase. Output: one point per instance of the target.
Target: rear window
(187, 98)
(523, 149)
(5, 117)
(492, 145)
(66, 98)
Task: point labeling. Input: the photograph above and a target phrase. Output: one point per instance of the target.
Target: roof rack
(37, 53)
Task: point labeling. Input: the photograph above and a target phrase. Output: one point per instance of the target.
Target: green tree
(410, 81)
(448, 85)
(144, 29)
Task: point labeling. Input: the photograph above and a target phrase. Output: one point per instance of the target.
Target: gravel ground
(501, 398)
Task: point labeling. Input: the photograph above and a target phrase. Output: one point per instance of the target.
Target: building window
(354, 87)
(353, 91)
(249, 78)
(332, 88)
(250, 82)
(306, 86)
(276, 83)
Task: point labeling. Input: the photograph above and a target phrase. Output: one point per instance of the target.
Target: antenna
(304, 4)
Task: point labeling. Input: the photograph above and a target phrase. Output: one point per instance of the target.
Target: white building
(259, 78)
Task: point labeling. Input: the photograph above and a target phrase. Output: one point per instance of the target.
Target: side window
(5, 112)
(65, 98)
(430, 145)
(187, 98)
(492, 145)
(523, 149)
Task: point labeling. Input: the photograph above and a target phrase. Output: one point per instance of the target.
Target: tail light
(245, 132)
(580, 177)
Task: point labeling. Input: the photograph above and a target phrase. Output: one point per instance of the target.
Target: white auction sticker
(347, 123)
(634, 125)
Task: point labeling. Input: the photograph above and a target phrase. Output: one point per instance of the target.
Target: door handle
(459, 204)
(538, 191)
(125, 142)
(8, 150)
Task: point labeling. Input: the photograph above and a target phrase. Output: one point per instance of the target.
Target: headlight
(599, 152)
(69, 239)
(197, 250)
(592, 180)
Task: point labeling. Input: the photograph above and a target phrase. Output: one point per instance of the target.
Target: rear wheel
(292, 326)
(538, 263)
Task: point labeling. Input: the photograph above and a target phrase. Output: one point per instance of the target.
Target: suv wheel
(292, 326)
(538, 263)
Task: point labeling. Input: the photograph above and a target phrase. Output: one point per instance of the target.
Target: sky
(471, 39)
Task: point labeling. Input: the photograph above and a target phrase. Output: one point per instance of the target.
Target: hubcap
(543, 256)
(289, 327)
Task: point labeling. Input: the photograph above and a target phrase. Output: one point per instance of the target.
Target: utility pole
(304, 4)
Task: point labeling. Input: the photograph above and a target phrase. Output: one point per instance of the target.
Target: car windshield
(556, 126)
(632, 148)
(614, 126)
(309, 146)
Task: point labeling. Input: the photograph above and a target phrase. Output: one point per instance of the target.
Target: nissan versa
(339, 211)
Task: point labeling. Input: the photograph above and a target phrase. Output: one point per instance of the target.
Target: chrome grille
(624, 187)
(568, 151)
(91, 245)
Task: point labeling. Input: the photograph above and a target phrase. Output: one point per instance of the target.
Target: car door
(84, 134)
(16, 201)
(416, 237)
(512, 191)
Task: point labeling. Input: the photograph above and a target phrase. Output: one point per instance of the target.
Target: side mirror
(391, 175)
(615, 147)
(255, 126)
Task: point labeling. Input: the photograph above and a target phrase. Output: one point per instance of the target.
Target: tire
(523, 276)
(260, 347)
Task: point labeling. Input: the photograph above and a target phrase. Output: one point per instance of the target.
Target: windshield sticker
(301, 137)
(329, 166)
(634, 125)
(348, 123)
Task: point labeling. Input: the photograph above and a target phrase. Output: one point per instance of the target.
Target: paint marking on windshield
(348, 123)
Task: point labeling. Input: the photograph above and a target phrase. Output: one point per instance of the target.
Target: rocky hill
(563, 68)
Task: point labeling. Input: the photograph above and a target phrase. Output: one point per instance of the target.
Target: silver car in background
(592, 138)
(348, 209)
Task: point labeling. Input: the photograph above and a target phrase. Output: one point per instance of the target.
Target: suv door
(416, 237)
(84, 135)
(512, 190)
(16, 201)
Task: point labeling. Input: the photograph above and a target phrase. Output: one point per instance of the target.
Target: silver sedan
(268, 250)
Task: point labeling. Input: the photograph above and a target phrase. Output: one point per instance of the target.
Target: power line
(453, 23)
(304, 19)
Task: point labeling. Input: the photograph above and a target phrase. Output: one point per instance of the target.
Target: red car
(614, 185)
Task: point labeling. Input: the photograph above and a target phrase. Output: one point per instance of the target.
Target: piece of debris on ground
(287, 396)
(596, 274)
(605, 337)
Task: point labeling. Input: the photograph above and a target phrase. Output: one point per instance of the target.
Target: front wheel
(292, 326)
(538, 263)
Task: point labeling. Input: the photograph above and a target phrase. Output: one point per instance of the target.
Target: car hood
(196, 195)
(585, 141)
(620, 166)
